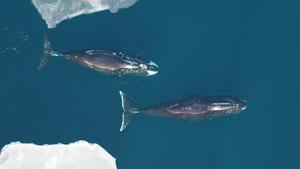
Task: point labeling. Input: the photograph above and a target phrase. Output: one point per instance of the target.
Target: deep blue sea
(249, 49)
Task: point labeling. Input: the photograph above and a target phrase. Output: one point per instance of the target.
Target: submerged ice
(79, 155)
(55, 11)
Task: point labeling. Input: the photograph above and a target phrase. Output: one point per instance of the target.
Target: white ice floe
(78, 155)
(55, 11)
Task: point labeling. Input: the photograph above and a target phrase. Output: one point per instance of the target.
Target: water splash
(13, 41)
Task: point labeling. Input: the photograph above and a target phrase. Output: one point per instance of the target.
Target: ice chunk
(55, 11)
(79, 155)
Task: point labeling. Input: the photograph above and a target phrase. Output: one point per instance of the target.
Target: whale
(102, 61)
(190, 107)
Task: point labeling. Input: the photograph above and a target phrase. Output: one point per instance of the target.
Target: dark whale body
(194, 107)
(103, 61)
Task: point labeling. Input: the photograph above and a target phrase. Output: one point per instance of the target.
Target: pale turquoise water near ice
(249, 49)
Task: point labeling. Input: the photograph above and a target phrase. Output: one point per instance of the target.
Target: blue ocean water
(249, 49)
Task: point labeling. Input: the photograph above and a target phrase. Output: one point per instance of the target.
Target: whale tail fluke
(128, 111)
(47, 54)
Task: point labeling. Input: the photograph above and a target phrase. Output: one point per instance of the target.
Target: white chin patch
(153, 64)
(150, 72)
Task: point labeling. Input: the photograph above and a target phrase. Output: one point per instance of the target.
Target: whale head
(152, 68)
